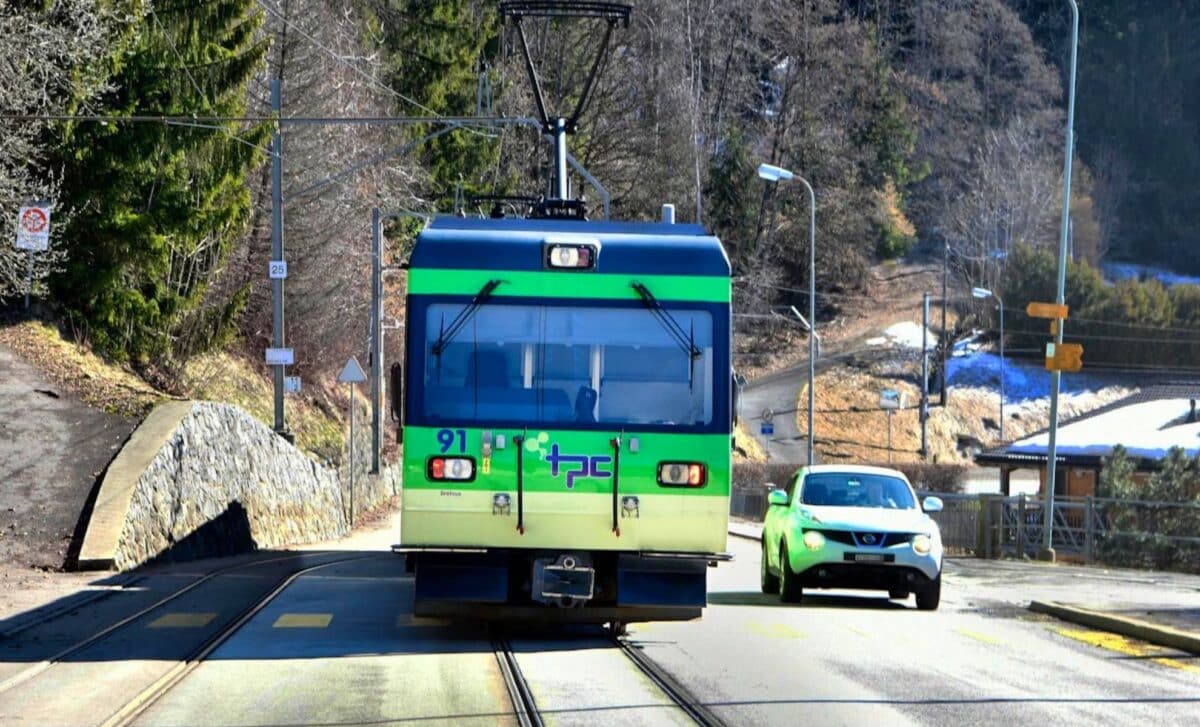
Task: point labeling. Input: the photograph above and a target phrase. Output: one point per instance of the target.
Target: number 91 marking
(446, 439)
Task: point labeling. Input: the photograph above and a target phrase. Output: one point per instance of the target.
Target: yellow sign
(1064, 357)
(1046, 310)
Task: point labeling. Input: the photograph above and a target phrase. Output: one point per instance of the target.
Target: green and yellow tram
(567, 418)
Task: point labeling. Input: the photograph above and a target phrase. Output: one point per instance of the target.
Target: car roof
(854, 469)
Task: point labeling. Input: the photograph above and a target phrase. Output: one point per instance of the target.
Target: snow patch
(1022, 380)
(1125, 271)
(904, 335)
(1145, 430)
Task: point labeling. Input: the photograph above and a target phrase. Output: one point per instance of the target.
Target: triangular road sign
(352, 373)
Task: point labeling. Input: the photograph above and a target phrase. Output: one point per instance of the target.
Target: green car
(846, 526)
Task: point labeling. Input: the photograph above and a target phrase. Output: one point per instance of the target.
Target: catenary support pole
(376, 337)
(1047, 552)
(277, 337)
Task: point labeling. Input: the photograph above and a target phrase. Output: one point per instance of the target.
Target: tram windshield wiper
(464, 316)
(686, 340)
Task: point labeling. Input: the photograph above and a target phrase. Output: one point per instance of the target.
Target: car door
(776, 522)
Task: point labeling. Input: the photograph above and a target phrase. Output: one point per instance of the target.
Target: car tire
(790, 590)
(927, 599)
(770, 581)
(898, 595)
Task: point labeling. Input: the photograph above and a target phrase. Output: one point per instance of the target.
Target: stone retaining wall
(224, 483)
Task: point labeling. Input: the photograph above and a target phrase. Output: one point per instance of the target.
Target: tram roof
(516, 244)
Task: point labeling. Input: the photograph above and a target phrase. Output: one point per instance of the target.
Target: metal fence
(1140, 533)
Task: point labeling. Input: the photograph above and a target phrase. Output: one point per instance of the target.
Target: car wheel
(927, 599)
(770, 581)
(789, 583)
(898, 595)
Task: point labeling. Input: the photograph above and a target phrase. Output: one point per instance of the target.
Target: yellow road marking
(303, 621)
(980, 637)
(1122, 645)
(860, 632)
(182, 620)
(777, 631)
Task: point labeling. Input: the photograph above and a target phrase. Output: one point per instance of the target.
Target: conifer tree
(158, 206)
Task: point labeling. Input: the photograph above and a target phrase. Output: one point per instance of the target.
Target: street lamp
(1047, 552)
(775, 174)
(985, 293)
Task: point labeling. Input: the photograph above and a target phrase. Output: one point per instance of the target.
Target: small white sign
(291, 384)
(33, 228)
(891, 399)
(280, 357)
(277, 269)
(352, 372)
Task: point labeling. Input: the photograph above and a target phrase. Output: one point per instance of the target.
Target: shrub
(933, 477)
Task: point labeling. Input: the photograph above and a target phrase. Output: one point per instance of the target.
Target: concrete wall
(204, 479)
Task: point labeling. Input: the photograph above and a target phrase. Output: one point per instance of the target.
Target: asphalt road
(857, 658)
(338, 645)
(778, 393)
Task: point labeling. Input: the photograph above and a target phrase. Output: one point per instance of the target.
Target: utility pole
(277, 337)
(1047, 551)
(945, 337)
(924, 411)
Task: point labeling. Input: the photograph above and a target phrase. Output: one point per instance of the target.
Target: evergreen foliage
(1152, 534)
(157, 206)
(435, 50)
(1132, 322)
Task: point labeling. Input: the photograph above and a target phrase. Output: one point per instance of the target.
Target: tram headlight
(682, 474)
(455, 469)
(571, 256)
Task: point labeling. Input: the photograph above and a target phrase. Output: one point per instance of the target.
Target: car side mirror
(932, 504)
(396, 384)
(777, 497)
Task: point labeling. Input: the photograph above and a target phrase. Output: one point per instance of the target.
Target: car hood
(871, 518)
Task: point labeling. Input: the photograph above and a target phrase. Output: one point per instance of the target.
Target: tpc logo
(578, 465)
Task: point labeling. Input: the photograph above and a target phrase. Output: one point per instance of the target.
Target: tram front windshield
(546, 364)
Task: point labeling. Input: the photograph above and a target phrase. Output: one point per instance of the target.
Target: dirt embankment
(53, 447)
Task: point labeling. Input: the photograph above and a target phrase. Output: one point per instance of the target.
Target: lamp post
(1047, 552)
(775, 174)
(985, 293)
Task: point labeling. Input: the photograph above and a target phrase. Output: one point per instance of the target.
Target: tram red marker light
(455, 469)
(682, 474)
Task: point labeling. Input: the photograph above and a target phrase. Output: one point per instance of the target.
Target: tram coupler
(567, 580)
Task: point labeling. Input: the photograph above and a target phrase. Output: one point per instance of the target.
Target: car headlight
(921, 544)
(814, 540)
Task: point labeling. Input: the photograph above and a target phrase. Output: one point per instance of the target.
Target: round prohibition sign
(34, 220)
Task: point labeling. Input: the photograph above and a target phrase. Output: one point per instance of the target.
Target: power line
(341, 60)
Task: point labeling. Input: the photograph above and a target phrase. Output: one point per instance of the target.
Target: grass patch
(222, 377)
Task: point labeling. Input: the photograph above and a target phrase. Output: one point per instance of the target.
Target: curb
(1123, 625)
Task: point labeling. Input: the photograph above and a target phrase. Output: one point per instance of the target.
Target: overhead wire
(341, 60)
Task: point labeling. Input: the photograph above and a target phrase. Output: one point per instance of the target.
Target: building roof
(1147, 424)
(516, 244)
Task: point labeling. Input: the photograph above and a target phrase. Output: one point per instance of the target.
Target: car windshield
(552, 364)
(851, 489)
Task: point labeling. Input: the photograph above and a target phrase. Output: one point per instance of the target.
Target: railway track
(528, 713)
(98, 636)
(151, 694)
